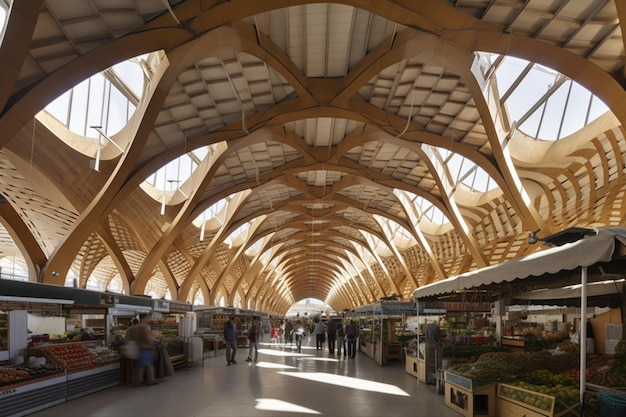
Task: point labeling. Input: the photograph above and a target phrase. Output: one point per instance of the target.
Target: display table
(515, 343)
(35, 394)
(87, 381)
(213, 345)
(26, 398)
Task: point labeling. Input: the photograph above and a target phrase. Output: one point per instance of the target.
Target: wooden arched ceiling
(306, 108)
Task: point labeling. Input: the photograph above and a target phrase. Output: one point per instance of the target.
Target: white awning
(594, 289)
(584, 252)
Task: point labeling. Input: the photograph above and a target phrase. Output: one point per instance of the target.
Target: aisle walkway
(283, 383)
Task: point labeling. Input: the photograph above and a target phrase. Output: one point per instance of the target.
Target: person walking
(299, 334)
(289, 332)
(319, 332)
(230, 340)
(143, 368)
(274, 336)
(332, 336)
(341, 344)
(281, 332)
(253, 341)
(352, 333)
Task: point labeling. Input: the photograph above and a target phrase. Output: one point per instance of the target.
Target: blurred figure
(253, 341)
(289, 332)
(332, 336)
(319, 332)
(85, 334)
(274, 335)
(143, 368)
(299, 334)
(341, 343)
(352, 333)
(230, 340)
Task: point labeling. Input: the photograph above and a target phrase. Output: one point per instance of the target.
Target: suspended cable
(410, 116)
(32, 150)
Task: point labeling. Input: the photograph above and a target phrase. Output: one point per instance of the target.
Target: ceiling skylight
(544, 103)
(172, 175)
(4, 8)
(107, 99)
(465, 172)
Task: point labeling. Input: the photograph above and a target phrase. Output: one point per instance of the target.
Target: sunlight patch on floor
(271, 404)
(349, 382)
(271, 365)
(271, 352)
(313, 358)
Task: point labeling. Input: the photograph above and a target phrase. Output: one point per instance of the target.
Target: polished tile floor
(282, 383)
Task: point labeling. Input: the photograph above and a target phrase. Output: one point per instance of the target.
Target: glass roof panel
(177, 171)
(13, 267)
(238, 235)
(465, 172)
(4, 7)
(544, 103)
(511, 68)
(396, 233)
(254, 248)
(106, 100)
(430, 211)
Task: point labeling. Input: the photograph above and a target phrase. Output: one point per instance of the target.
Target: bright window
(107, 99)
(544, 103)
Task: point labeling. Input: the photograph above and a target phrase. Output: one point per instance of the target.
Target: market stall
(48, 358)
(383, 329)
(578, 256)
(210, 324)
(173, 326)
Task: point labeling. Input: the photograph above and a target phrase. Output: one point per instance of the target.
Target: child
(274, 338)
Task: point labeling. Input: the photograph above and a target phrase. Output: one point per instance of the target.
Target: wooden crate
(517, 402)
(462, 396)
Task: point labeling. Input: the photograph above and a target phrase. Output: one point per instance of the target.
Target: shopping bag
(130, 350)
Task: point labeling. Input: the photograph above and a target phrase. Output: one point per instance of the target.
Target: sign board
(176, 307)
(466, 306)
(107, 299)
(162, 306)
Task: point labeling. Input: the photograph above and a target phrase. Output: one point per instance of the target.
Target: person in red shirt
(274, 337)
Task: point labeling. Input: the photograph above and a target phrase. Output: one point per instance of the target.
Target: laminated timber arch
(314, 147)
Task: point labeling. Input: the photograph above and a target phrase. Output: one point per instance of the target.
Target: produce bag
(130, 350)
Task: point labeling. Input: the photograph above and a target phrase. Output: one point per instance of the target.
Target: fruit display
(471, 351)
(12, 375)
(485, 372)
(40, 370)
(173, 345)
(556, 399)
(70, 355)
(543, 377)
(549, 392)
(103, 353)
(534, 400)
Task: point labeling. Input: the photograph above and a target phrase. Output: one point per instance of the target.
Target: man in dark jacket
(230, 340)
(332, 336)
(352, 333)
